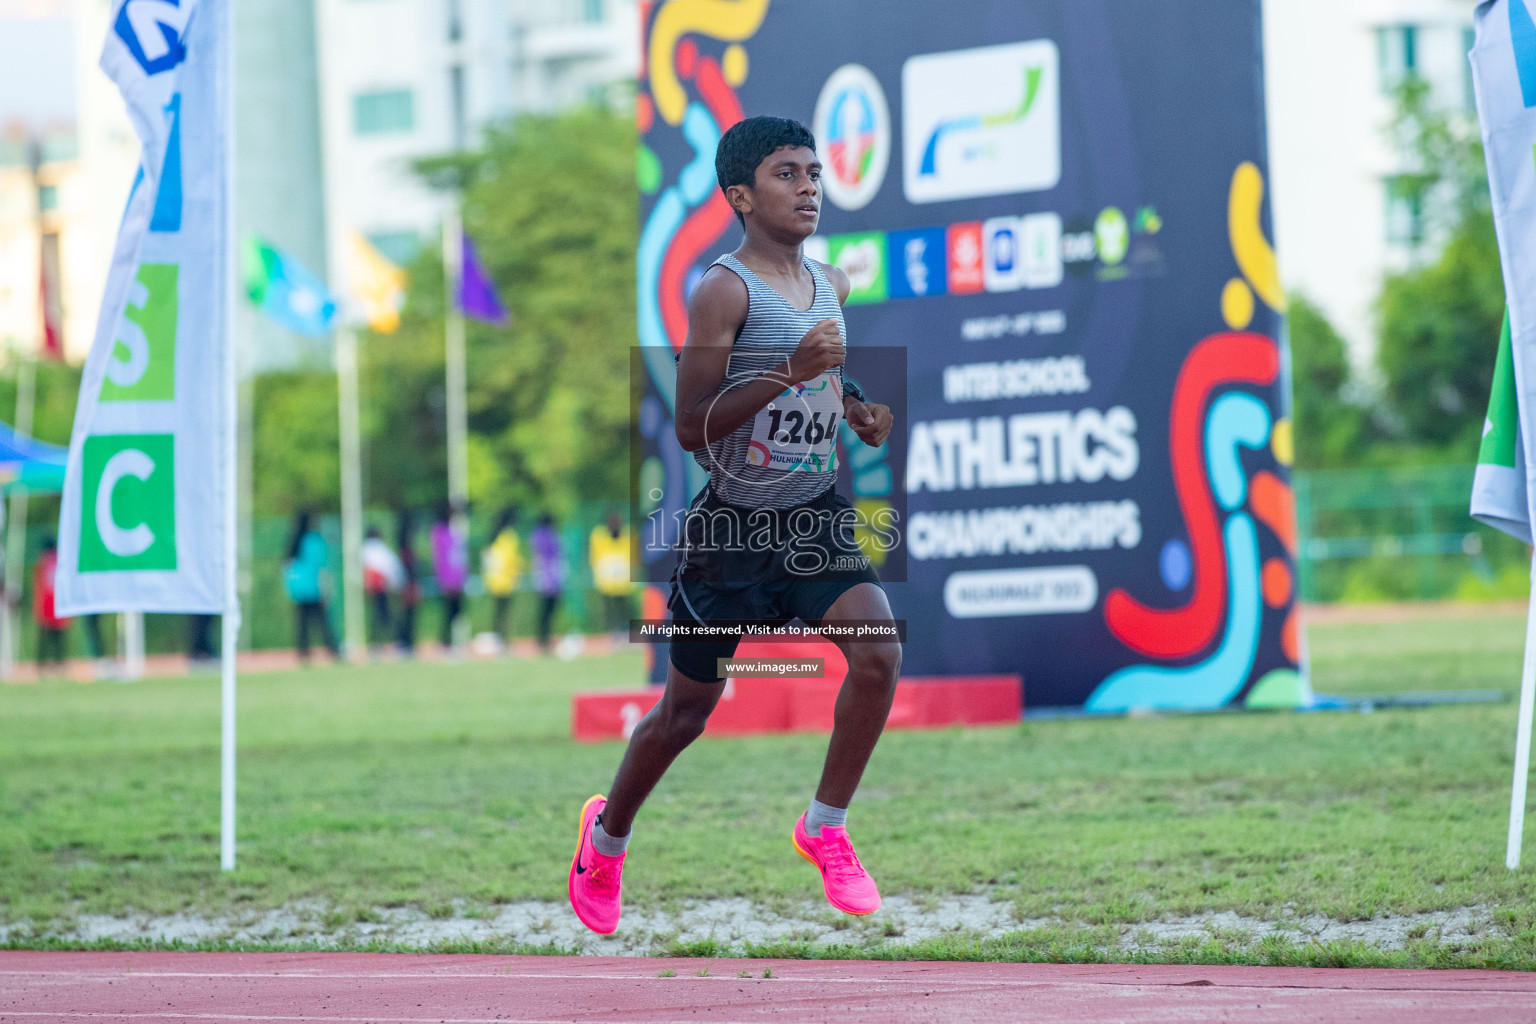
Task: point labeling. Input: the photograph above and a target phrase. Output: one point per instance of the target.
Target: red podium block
(811, 702)
(610, 714)
(756, 706)
(922, 702)
(965, 700)
(750, 706)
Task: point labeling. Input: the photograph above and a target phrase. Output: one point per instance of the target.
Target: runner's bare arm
(716, 311)
(840, 282)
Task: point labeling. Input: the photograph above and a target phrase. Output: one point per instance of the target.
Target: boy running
(760, 395)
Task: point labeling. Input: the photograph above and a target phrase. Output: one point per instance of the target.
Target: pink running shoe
(847, 885)
(596, 880)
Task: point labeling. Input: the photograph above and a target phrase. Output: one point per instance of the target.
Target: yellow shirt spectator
(501, 564)
(609, 555)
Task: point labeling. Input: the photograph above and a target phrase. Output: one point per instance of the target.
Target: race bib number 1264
(798, 430)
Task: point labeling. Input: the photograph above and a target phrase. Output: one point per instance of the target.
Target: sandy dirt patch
(731, 923)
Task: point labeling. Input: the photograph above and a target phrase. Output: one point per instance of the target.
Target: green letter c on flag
(128, 502)
(124, 543)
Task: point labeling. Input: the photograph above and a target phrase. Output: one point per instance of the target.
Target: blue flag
(285, 290)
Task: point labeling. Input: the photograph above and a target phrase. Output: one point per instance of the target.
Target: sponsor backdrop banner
(1059, 210)
(142, 522)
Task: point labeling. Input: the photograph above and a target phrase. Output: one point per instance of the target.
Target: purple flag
(477, 295)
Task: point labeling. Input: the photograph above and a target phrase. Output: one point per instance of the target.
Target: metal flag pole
(456, 377)
(351, 492)
(1523, 734)
(231, 623)
(456, 385)
(246, 447)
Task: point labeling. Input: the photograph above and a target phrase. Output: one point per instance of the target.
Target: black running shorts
(767, 566)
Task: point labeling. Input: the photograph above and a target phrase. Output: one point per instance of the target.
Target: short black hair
(746, 143)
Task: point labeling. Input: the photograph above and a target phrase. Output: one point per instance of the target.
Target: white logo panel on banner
(981, 122)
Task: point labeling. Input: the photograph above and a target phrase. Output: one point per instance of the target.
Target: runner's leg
(864, 702)
(675, 722)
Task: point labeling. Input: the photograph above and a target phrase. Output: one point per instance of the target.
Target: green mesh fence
(1400, 534)
(1365, 535)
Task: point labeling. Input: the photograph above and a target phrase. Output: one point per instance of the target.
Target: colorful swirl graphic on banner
(693, 64)
(695, 92)
(1209, 426)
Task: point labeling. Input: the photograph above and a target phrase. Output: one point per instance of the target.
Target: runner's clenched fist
(870, 421)
(821, 349)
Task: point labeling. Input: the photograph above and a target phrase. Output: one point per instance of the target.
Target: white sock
(607, 845)
(822, 814)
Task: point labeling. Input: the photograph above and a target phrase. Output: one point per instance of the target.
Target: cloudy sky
(37, 79)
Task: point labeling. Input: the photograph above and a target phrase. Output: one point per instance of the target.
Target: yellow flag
(375, 284)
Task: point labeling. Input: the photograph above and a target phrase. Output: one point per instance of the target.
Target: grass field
(454, 789)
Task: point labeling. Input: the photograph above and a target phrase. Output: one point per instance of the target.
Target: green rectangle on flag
(143, 363)
(1501, 430)
(129, 502)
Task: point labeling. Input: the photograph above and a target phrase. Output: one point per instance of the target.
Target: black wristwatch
(851, 388)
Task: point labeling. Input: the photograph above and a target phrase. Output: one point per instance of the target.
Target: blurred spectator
(410, 585)
(548, 574)
(382, 575)
(501, 565)
(608, 552)
(200, 651)
(50, 628)
(96, 648)
(450, 563)
(302, 578)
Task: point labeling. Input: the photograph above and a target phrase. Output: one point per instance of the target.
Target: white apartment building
(45, 211)
(569, 52)
(1330, 68)
(405, 79)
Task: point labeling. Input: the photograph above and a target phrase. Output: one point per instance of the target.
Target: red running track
(390, 988)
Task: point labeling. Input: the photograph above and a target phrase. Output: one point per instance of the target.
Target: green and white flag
(1504, 79)
(1498, 488)
(144, 520)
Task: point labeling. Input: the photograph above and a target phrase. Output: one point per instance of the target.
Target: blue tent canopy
(35, 465)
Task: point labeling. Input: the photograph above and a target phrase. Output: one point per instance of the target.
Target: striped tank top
(784, 455)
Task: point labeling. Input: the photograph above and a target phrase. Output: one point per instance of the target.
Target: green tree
(1440, 320)
(552, 206)
(56, 388)
(295, 458)
(1331, 430)
(1439, 334)
(55, 391)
